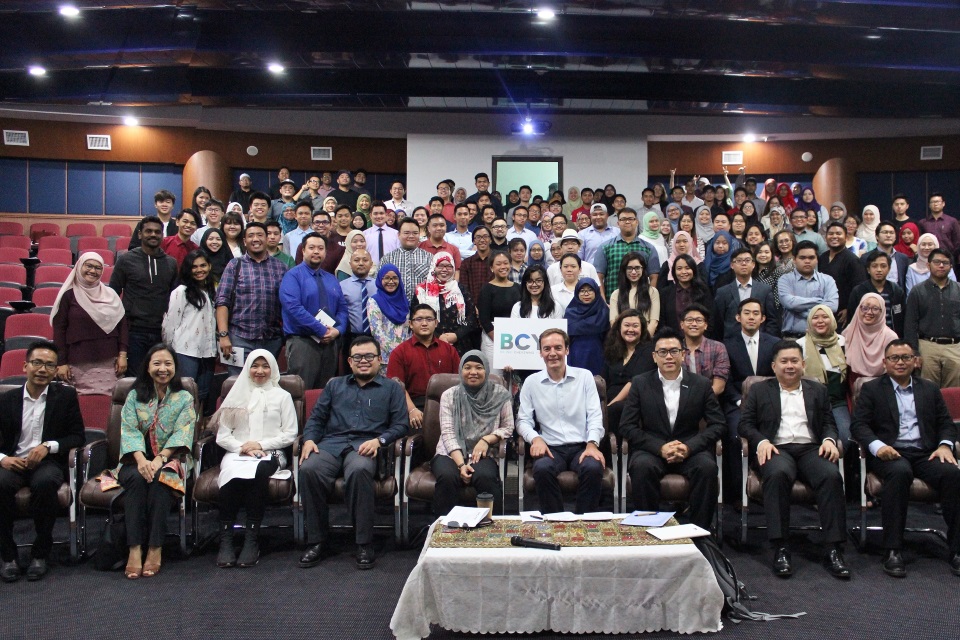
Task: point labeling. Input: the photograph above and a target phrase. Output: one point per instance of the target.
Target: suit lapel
(657, 390)
(684, 397)
(18, 412)
(810, 406)
(890, 396)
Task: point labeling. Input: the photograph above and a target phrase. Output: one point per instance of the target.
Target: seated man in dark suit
(39, 424)
(661, 421)
(355, 416)
(728, 298)
(905, 424)
(750, 352)
(790, 427)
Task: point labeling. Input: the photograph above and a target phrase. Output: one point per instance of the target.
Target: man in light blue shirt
(803, 289)
(293, 239)
(596, 234)
(460, 236)
(353, 292)
(563, 402)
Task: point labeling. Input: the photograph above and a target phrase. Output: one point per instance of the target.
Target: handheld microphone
(518, 541)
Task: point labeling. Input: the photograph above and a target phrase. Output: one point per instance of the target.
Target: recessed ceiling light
(37, 70)
(275, 67)
(749, 138)
(546, 14)
(873, 36)
(69, 11)
(130, 121)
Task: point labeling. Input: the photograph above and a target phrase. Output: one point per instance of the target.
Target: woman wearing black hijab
(217, 253)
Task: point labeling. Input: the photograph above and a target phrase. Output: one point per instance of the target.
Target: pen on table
(536, 517)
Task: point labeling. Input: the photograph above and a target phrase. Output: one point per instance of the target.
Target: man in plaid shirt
(608, 258)
(703, 356)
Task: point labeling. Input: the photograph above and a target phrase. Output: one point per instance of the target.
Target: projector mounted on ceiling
(529, 127)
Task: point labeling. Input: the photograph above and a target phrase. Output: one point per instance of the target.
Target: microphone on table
(518, 541)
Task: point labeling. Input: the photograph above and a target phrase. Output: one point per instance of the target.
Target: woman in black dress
(496, 300)
(628, 353)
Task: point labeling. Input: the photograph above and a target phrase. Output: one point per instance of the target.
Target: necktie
(380, 244)
(364, 296)
(752, 352)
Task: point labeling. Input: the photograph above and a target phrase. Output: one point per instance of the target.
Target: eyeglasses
(622, 219)
(743, 261)
(423, 320)
(941, 263)
(694, 320)
(538, 282)
(870, 309)
(363, 357)
(49, 366)
(93, 267)
(900, 358)
(632, 269)
(673, 353)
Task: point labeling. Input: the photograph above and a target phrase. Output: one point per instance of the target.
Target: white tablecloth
(575, 590)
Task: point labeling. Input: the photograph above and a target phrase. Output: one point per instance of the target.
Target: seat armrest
(73, 457)
(502, 448)
(93, 458)
(840, 447)
(398, 446)
(744, 447)
(199, 446)
(719, 448)
(859, 448)
(411, 443)
(623, 445)
(297, 444)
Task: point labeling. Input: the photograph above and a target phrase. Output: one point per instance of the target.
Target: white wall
(586, 161)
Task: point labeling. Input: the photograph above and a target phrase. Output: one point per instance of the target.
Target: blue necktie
(364, 296)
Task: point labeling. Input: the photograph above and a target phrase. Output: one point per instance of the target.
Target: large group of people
(674, 302)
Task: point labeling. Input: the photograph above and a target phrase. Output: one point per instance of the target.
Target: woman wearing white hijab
(919, 270)
(89, 329)
(255, 423)
(868, 227)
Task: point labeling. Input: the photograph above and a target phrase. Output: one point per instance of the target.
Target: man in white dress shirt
(380, 238)
(570, 243)
(564, 404)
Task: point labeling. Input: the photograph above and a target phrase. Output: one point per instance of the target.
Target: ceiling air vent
(98, 142)
(16, 138)
(321, 153)
(931, 153)
(731, 157)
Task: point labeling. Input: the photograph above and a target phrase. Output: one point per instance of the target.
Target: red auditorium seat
(9, 293)
(40, 229)
(54, 242)
(81, 229)
(92, 244)
(11, 364)
(10, 228)
(12, 255)
(13, 273)
(107, 272)
(22, 329)
(45, 297)
(115, 230)
(20, 242)
(50, 276)
(310, 399)
(105, 254)
(95, 410)
(951, 395)
(122, 244)
(55, 256)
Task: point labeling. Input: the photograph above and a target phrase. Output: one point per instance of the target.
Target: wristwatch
(383, 441)
(594, 443)
(49, 445)
(164, 458)
(223, 334)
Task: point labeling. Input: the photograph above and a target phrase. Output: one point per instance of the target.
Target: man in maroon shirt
(435, 243)
(419, 357)
(944, 227)
(178, 246)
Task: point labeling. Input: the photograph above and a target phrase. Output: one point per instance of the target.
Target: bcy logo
(520, 342)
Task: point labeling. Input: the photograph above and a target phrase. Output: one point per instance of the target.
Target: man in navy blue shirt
(312, 337)
(356, 415)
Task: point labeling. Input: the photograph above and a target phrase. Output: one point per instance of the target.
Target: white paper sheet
(466, 516)
(531, 516)
(646, 519)
(235, 359)
(679, 531)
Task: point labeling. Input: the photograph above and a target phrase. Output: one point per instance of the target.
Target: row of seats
(57, 249)
(74, 229)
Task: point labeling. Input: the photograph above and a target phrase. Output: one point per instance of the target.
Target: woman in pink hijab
(867, 336)
(89, 329)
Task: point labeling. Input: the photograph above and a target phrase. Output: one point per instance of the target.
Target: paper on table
(679, 531)
(598, 516)
(646, 519)
(531, 516)
(465, 516)
(561, 516)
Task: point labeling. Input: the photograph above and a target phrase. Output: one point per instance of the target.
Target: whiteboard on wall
(540, 173)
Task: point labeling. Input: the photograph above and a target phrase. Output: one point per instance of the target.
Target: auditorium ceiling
(841, 58)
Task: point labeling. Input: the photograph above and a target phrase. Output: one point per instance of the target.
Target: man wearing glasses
(356, 415)
(661, 421)
(499, 241)
(704, 356)
(39, 424)
(904, 423)
(932, 322)
(728, 298)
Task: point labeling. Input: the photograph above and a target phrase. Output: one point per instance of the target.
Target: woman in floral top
(387, 311)
(157, 423)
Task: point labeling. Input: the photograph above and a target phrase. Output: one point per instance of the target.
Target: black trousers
(44, 481)
(319, 472)
(446, 493)
(897, 476)
(778, 475)
(251, 493)
(146, 506)
(646, 471)
(566, 458)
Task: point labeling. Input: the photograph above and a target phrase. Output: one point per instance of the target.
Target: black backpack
(734, 592)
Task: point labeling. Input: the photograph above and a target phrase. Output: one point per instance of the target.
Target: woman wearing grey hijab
(475, 416)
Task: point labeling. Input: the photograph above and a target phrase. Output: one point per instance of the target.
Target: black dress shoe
(955, 564)
(312, 556)
(893, 565)
(781, 563)
(37, 569)
(366, 558)
(836, 565)
(10, 571)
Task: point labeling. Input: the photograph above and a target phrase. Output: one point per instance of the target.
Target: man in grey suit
(744, 285)
(790, 427)
(661, 421)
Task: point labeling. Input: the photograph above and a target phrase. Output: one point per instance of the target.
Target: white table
(631, 589)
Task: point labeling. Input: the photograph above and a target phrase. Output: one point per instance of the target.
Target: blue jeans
(201, 370)
(273, 345)
(841, 415)
(139, 341)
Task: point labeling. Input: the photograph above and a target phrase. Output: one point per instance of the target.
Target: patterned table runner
(567, 534)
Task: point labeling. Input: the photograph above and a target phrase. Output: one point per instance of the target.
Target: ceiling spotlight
(546, 14)
(749, 138)
(69, 11)
(37, 70)
(130, 121)
(529, 127)
(275, 67)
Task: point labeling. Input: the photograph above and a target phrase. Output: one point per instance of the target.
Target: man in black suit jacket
(727, 299)
(904, 423)
(39, 424)
(878, 267)
(661, 421)
(750, 317)
(886, 234)
(790, 427)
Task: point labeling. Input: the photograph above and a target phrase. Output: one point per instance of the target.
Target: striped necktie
(364, 296)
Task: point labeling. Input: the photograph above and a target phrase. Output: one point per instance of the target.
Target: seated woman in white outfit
(256, 422)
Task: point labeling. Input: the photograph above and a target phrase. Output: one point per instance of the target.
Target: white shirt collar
(43, 394)
(670, 382)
